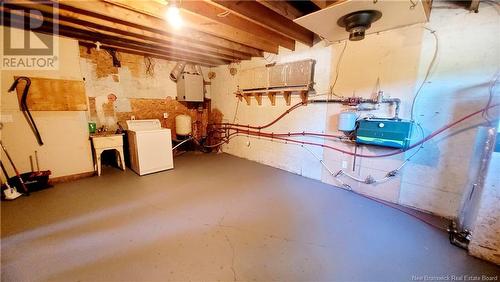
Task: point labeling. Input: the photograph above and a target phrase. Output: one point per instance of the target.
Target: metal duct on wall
(177, 71)
(198, 70)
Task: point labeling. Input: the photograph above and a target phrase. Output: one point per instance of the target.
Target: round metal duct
(177, 71)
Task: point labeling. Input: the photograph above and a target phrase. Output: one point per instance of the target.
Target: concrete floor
(218, 217)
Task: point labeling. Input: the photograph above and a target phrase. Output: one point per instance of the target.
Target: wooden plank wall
(54, 95)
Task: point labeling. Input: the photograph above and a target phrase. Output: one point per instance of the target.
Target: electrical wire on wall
(337, 71)
(491, 95)
(428, 72)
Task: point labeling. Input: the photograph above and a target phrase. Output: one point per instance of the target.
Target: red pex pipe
(391, 153)
(266, 125)
(291, 134)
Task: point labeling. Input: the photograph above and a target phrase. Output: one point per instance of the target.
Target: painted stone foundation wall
(311, 118)
(396, 62)
(140, 88)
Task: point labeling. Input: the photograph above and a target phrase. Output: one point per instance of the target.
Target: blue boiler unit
(394, 133)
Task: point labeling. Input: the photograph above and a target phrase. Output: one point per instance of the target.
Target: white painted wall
(129, 86)
(288, 157)
(433, 181)
(467, 62)
(67, 147)
(126, 85)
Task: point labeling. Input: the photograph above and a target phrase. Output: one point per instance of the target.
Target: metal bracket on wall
(272, 98)
(258, 97)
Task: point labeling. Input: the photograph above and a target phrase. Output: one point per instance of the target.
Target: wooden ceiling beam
(90, 44)
(129, 17)
(283, 8)
(259, 14)
(137, 45)
(117, 43)
(223, 16)
(319, 3)
(135, 49)
(196, 22)
(104, 27)
(324, 3)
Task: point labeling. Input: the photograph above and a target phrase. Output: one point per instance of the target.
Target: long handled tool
(24, 106)
(18, 175)
(38, 172)
(11, 192)
(37, 164)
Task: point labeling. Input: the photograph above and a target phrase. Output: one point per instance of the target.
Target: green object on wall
(384, 132)
(92, 127)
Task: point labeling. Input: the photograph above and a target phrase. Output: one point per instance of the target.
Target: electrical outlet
(344, 164)
(132, 117)
(165, 115)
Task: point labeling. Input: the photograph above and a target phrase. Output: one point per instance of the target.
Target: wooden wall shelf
(284, 79)
(272, 93)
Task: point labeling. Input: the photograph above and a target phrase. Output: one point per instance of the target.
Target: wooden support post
(272, 98)
(303, 96)
(248, 98)
(258, 97)
(288, 97)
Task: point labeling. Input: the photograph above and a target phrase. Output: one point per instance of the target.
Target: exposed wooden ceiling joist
(306, 7)
(136, 19)
(283, 8)
(259, 14)
(215, 31)
(223, 16)
(89, 44)
(319, 3)
(118, 43)
(199, 23)
(105, 27)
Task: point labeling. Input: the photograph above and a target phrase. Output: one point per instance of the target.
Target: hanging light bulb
(173, 15)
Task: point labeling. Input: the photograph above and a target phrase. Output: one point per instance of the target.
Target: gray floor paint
(218, 217)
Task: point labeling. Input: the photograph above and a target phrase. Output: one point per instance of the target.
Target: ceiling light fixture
(173, 15)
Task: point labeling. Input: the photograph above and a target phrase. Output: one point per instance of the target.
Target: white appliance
(150, 146)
